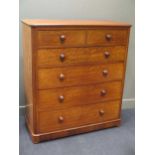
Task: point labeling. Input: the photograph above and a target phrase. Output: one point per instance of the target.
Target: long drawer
(59, 98)
(51, 120)
(76, 56)
(78, 75)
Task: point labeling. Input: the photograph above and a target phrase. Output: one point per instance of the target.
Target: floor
(113, 141)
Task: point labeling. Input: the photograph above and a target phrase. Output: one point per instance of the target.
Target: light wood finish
(77, 75)
(82, 115)
(28, 78)
(73, 96)
(79, 56)
(63, 23)
(74, 75)
(61, 38)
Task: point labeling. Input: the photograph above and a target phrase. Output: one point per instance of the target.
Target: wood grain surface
(81, 115)
(79, 56)
(78, 75)
(53, 38)
(79, 95)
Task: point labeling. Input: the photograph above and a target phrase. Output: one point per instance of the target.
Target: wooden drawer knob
(103, 92)
(106, 54)
(61, 98)
(61, 119)
(62, 38)
(101, 112)
(62, 57)
(61, 77)
(108, 37)
(105, 72)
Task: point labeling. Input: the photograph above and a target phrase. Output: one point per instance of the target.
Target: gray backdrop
(118, 10)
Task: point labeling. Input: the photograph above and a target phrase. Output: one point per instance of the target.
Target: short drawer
(107, 37)
(60, 38)
(51, 120)
(73, 96)
(75, 56)
(78, 75)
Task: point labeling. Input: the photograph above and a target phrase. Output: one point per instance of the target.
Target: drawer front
(75, 56)
(73, 96)
(73, 117)
(107, 37)
(61, 38)
(78, 75)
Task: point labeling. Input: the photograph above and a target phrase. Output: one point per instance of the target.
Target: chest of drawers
(74, 76)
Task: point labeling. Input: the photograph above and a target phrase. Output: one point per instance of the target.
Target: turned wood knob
(62, 38)
(106, 54)
(62, 57)
(103, 92)
(61, 98)
(61, 77)
(108, 37)
(61, 119)
(101, 112)
(105, 72)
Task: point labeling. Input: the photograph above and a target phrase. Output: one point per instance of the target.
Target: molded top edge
(44, 22)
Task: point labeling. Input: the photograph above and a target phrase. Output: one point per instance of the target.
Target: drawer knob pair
(105, 72)
(103, 92)
(108, 37)
(61, 98)
(101, 112)
(61, 119)
(62, 38)
(61, 77)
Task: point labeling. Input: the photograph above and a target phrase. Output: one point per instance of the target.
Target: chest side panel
(27, 54)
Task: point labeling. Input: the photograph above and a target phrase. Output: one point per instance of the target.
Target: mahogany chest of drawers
(74, 76)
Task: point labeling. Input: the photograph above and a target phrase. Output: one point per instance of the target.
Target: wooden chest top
(44, 22)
